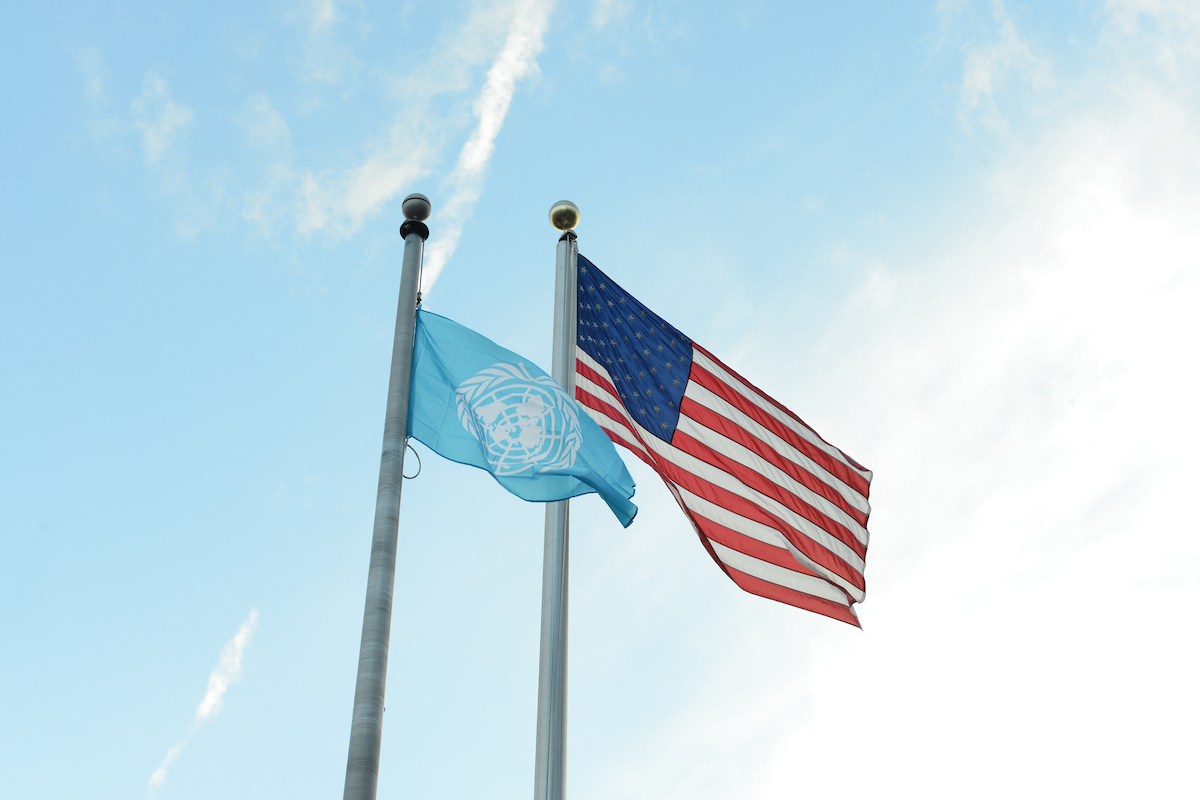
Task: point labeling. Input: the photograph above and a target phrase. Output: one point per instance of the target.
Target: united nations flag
(476, 403)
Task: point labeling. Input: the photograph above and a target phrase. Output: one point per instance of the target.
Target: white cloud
(162, 122)
(265, 127)
(1177, 24)
(322, 13)
(92, 64)
(606, 11)
(269, 134)
(1177, 20)
(103, 123)
(325, 61)
(517, 60)
(1032, 559)
(160, 119)
(227, 672)
(947, 9)
(986, 67)
(339, 201)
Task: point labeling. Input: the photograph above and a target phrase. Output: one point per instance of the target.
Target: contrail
(516, 60)
(227, 671)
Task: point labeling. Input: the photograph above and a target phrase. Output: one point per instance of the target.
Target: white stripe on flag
(720, 478)
(748, 458)
(717, 404)
(773, 573)
(759, 569)
(759, 400)
(767, 535)
(614, 428)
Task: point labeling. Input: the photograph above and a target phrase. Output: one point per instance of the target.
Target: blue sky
(960, 239)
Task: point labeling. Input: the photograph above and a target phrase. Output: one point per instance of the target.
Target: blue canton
(649, 359)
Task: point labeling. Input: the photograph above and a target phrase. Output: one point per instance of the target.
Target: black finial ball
(416, 207)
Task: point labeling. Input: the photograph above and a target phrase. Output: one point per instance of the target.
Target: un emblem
(525, 423)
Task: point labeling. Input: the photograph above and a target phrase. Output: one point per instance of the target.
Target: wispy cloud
(302, 190)
(105, 123)
(987, 66)
(160, 119)
(160, 774)
(1176, 24)
(92, 64)
(606, 11)
(267, 132)
(227, 672)
(325, 60)
(517, 60)
(322, 13)
(163, 122)
(338, 201)
(265, 128)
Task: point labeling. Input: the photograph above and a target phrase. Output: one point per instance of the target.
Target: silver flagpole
(549, 765)
(366, 725)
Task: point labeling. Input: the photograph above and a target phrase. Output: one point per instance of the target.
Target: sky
(961, 239)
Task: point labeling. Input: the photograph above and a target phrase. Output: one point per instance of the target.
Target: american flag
(781, 511)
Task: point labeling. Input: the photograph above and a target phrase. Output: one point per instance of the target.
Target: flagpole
(549, 764)
(366, 725)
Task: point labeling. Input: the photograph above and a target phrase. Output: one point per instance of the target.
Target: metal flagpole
(549, 764)
(366, 725)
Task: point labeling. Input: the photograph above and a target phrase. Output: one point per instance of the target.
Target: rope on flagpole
(366, 723)
(418, 472)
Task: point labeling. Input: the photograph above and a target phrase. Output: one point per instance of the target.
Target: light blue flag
(476, 403)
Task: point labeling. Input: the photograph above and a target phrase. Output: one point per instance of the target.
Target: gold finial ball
(564, 215)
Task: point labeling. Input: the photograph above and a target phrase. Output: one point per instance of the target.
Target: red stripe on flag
(735, 432)
(779, 556)
(773, 591)
(750, 510)
(692, 517)
(764, 486)
(784, 409)
(596, 378)
(593, 403)
(834, 467)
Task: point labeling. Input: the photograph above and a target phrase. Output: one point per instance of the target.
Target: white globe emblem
(524, 422)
